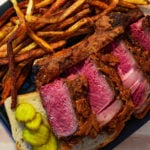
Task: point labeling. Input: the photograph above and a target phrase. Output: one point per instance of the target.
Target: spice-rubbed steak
(131, 76)
(106, 29)
(140, 31)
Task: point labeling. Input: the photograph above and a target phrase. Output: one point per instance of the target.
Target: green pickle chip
(38, 137)
(25, 112)
(50, 145)
(35, 123)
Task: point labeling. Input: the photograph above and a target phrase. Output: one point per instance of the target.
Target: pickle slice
(25, 112)
(35, 123)
(50, 145)
(38, 137)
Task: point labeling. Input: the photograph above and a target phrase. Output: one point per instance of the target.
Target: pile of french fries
(34, 28)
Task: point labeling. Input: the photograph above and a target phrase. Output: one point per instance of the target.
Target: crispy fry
(66, 36)
(43, 3)
(7, 82)
(126, 4)
(99, 4)
(138, 2)
(12, 70)
(22, 45)
(22, 70)
(68, 32)
(112, 5)
(67, 22)
(3, 51)
(30, 7)
(10, 12)
(8, 35)
(10, 52)
(55, 19)
(72, 8)
(79, 24)
(5, 30)
(28, 47)
(43, 44)
(73, 19)
(18, 11)
(56, 5)
(32, 54)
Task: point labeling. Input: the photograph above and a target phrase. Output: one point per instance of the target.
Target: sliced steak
(106, 29)
(67, 107)
(100, 92)
(131, 76)
(110, 112)
(141, 32)
(57, 103)
(104, 97)
(140, 55)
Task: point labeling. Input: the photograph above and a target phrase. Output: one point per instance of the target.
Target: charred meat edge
(106, 29)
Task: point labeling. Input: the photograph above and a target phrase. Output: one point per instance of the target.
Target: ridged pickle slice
(38, 137)
(50, 145)
(25, 112)
(35, 123)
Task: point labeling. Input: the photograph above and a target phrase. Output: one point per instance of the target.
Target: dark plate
(131, 126)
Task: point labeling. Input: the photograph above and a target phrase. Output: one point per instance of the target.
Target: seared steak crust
(106, 29)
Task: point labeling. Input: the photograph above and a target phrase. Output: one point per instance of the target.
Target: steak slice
(67, 107)
(100, 92)
(112, 104)
(106, 29)
(110, 112)
(140, 31)
(57, 103)
(131, 76)
(104, 97)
